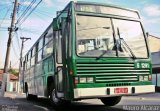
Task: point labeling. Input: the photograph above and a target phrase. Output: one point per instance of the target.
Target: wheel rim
(54, 98)
(27, 94)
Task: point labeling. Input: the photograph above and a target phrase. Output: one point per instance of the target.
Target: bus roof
(83, 3)
(105, 4)
(105, 8)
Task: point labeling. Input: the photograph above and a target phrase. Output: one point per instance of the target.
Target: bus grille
(110, 72)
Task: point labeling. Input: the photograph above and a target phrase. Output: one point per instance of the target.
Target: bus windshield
(98, 37)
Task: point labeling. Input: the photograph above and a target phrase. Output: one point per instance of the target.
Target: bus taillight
(76, 80)
(150, 77)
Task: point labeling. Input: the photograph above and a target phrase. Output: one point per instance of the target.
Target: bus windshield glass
(96, 38)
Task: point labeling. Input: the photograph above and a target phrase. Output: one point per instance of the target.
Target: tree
(14, 71)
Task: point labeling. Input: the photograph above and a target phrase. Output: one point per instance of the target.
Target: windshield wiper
(125, 43)
(114, 48)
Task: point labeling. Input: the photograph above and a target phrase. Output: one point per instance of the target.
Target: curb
(142, 98)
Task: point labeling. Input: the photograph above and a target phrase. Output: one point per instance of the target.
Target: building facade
(12, 82)
(154, 43)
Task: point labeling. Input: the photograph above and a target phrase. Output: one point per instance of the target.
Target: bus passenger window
(40, 44)
(48, 36)
(48, 49)
(59, 48)
(39, 55)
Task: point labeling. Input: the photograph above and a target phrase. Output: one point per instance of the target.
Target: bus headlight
(82, 79)
(140, 78)
(145, 78)
(90, 80)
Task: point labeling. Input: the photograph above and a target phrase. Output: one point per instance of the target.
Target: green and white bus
(90, 50)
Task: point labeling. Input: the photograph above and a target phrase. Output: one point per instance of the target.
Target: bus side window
(45, 66)
(59, 47)
(50, 64)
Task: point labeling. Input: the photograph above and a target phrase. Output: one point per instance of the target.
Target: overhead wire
(17, 39)
(21, 19)
(16, 63)
(30, 12)
(5, 3)
(20, 31)
(40, 17)
(4, 8)
(3, 30)
(10, 0)
(25, 11)
(3, 27)
(14, 50)
(4, 16)
(26, 16)
(29, 31)
(32, 30)
(45, 13)
(22, 5)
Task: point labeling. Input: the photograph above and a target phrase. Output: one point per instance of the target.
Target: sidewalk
(14, 95)
(13, 101)
(8, 103)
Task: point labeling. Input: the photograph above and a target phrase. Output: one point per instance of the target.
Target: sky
(42, 16)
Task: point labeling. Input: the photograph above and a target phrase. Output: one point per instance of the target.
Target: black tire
(111, 101)
(29, 96)
(56, 101)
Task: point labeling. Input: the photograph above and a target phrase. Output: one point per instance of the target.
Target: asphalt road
(149, 102)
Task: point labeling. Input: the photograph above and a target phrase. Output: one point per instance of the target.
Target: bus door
(61, 58)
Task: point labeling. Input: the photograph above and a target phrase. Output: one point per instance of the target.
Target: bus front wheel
(55, 100)
(111, 101)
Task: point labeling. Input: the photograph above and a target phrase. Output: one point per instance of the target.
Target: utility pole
(10, 66)
(10, 29)
(24, 39)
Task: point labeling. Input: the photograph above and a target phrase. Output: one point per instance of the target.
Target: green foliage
(14, 71)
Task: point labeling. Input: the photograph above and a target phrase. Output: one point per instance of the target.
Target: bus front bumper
(102, 91)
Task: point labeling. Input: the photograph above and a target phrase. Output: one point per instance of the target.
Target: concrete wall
(156, 59)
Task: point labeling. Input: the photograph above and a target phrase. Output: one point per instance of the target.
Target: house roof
(12, 76)
(1, 71)
(154, 43)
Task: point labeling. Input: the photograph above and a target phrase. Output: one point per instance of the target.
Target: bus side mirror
(56, 24)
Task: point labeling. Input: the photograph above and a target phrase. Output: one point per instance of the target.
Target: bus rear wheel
(29, 96)
(111, 101)
(55, 101)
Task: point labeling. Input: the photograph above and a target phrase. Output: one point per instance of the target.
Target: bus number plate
(121, 90)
